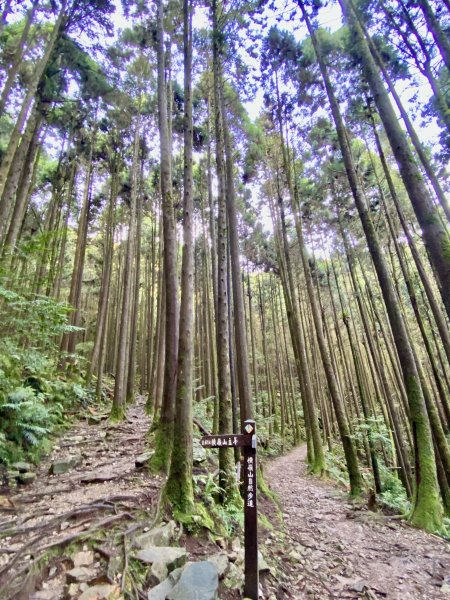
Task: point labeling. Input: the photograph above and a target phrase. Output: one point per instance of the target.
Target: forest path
(101, 489)
(347, 551)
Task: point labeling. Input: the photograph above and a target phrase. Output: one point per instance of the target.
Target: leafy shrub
(393, 494)
(34, 397)
(26, 420)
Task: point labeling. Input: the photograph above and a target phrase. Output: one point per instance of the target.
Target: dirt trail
(348, 552)
(55, 510)
(329, 548)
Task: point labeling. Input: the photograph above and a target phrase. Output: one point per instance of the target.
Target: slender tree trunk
(179, 488)
(164, 436)
(243, 369)
(7, 158)
(120, 387)
(439, 35)
(16, 61)
(103, 300)
(227, 477)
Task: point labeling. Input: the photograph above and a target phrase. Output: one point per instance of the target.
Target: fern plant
(26, 420)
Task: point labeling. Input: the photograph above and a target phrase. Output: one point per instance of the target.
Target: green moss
(427, 510)
(445, 245)
(179, 492)
(196, 519)
(160, 461)
(117, 414)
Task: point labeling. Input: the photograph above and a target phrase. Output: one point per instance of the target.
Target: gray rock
(158, 573)
(160, 591)
(142, 460)
(75, 439)
(22, 467)
(115, 568)
(198, 581)
(26, 478)
(80, 574)
(162, 535)
(99, 476)
(83, 559)
(63, 465)
(172, 558)
(222, 563)
(262, 564)
(358, 586)
(199, 453)
(175, 575)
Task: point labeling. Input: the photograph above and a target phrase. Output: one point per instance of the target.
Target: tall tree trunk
(164, 436)
(7, 158)
(227, 477)
(243, 369)
(123, 348)
(439, 35)
(13, 67)
(179, 488)
(105, 285)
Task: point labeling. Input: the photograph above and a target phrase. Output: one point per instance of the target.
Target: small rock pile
(22, 472)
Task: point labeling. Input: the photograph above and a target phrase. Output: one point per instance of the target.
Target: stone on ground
(222, 563)
(161, 591)
(83, 559)
(63, 465)
(172, 558)
(142, 460)
(22, 467)
(80, 574)
(198, 581)
(162, 535)
(158, 573)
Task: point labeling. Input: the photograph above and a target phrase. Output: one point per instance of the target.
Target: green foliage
(393, 495)
(336, 467)
(25, 418)
(34, 398)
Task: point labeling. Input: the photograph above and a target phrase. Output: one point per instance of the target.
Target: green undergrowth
(393, 497)
(37, 400)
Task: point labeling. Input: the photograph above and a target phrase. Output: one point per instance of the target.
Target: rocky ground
(341, 550)
(84, 526)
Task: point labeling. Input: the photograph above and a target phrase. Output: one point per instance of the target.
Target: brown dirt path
(343, 551)
(104, 489)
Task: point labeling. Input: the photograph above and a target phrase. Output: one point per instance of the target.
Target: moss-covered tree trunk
(179, 490)
(164, 433)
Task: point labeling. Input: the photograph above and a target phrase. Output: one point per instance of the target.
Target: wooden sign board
(247, 441)
(230, 441)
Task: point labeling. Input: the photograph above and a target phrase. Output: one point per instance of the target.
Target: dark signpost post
(247, 441)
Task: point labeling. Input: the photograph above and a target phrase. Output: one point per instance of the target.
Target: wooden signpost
(247, 441)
